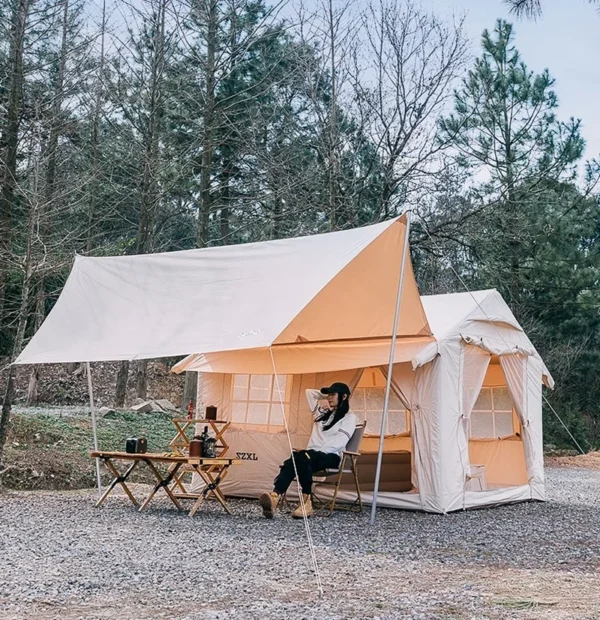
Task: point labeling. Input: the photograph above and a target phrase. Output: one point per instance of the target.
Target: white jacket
(335, 439)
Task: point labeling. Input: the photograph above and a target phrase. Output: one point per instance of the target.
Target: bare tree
(403, 75)
(208, 14)
(32, 196)
(56, 126)
(147, 77)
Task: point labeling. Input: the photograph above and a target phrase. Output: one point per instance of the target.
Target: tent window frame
(272, 401)
(363, 411)
(494, 412)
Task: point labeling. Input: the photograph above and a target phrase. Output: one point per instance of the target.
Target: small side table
(476, 478)
(180, 445)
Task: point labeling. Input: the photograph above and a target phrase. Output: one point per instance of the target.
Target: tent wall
(524, 378)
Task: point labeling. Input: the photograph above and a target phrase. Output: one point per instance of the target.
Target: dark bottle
(204, 436)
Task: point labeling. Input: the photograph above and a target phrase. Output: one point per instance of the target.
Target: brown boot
(298, 513)
(268, 502)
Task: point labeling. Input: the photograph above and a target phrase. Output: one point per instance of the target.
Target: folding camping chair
(348, 465)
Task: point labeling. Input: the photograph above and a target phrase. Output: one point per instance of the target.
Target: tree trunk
(141, 379)
(11, 133)
(32, 389)
(50, 182)
(209, 116)
(332, 138)
(150, 195)
(225, 201)
(20, 335)
(121, 391)
(190, 389)
(95, 158)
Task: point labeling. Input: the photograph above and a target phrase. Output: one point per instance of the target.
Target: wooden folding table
(211, 470)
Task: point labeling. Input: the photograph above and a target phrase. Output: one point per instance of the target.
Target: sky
(565, 40)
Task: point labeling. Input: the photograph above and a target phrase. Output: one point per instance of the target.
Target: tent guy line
(311, 545)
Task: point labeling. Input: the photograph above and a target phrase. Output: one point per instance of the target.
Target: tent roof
(328, 287)
(448, 313)
(478, 317)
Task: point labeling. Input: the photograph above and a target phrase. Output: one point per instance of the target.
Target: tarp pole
(388, 383)
(94, 430)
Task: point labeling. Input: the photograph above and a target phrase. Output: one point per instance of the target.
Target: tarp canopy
(323, 288)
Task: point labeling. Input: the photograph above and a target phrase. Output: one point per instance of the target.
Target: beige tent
(308, 311)
(464, 425)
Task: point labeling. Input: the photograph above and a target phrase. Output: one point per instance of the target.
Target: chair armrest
(350, 453)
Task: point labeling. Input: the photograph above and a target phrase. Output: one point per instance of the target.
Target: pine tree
(504, 126)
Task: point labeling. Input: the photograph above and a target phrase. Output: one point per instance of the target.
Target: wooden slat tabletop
(160, 457)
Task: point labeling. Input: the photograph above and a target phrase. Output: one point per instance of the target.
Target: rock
(144, 407)
(105, 411)
(156, 407)
(138, 401)
(165, 404)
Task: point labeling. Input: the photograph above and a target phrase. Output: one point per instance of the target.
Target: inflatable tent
(464, 424)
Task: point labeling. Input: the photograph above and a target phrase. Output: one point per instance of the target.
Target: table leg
(212, 485)
(118, 479)
(162, 483)
(177, 481)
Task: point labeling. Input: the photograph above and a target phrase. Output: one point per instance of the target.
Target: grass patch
(523, 603)
(48, 451)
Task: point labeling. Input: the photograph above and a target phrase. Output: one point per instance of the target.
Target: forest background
(160, 125)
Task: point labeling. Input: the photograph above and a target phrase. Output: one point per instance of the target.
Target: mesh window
(367, 404)
(256, 400)
(492, 416)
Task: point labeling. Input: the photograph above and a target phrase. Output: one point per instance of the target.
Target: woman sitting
(332, 429)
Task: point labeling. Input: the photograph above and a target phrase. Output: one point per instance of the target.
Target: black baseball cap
(336, 388)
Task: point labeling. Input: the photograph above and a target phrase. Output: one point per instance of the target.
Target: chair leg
(337, 483)
(355, 474)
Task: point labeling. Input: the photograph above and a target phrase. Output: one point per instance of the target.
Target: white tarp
(231, 298)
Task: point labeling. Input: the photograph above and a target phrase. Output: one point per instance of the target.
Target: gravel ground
(63, 558)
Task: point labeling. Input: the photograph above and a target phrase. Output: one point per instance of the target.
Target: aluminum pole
(94, 430)
(388, 384)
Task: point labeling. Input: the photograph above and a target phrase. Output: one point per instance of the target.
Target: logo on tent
(247, 456)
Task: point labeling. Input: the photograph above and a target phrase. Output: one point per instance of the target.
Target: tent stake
(388, 383)
(94, 431)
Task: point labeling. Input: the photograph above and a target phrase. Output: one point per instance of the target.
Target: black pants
(307, 462)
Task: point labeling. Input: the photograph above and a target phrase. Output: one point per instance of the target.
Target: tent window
(256, 400)
(367, 404)
(492, 414)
